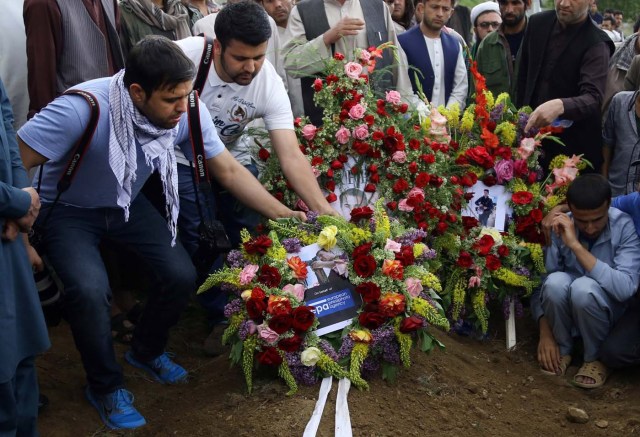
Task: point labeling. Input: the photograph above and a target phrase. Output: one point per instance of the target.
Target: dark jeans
(71, 242)
(233, 215)
(19, 402)
(622, 347)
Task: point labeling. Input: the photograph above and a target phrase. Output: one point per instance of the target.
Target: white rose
(310, 356)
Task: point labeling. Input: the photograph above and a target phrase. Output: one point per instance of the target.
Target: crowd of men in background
(572, 65)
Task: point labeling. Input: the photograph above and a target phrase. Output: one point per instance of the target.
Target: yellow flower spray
(248, 348)
(480, 309)
(285, 373)
(358, 354)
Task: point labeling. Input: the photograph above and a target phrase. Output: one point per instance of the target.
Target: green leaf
(425, 340)
(236, 353)
(389, 372)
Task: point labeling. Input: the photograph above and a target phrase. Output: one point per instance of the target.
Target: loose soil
(472, 387)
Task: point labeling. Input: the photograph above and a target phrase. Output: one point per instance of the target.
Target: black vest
(315, 23)
(585, 135)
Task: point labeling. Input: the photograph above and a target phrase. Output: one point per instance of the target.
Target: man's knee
(555, 289)
(583, 291)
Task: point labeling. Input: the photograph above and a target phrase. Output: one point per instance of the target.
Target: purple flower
(410, 237)
(291, 245)
(326, 347)
(233, 307)
(370, 367)
(235, 259)
(496, 112)
(523, 271)
(304, 375)
(345, 348)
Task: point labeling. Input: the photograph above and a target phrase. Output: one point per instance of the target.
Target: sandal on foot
(594, 370)
(565, 361)
(121, 329)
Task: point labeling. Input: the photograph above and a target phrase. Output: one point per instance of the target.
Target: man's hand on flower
(345, 27)
(544, 114)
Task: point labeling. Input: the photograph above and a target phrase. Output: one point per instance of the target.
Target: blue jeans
(71, 241)
(233, 215)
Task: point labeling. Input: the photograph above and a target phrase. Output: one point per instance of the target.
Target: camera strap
(200, 172)
(205, 64)
(79, 148)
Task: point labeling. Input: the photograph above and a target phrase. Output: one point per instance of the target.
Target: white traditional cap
(481, 8)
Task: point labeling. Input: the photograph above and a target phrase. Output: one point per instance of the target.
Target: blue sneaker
(116, 409)
(162, 369)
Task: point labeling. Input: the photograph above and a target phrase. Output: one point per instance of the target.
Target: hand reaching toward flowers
(345, 27)
(545, 114)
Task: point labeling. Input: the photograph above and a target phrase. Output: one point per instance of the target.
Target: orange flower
(393, 268)
(490, 139)
(392, 304)
(298, 266)
(278, 305)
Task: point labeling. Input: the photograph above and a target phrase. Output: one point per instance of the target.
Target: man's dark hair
(409, 12)
(618, 12)
(155, 62)
(246, 22)
(610, 19)
(588, 191)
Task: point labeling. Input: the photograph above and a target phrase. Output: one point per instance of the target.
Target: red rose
(290, 344)
(403, 108)
(411, 324)
(317, 85)
(269, 276)
(330, 185)
(469, 222)
(400, 186)
(316, 160)
(361, 250)
(338, 56)
(533, 176)
(464, 260)
(303, 318)
(413, 168)
(520, 168)
(522, 197)
(428, 158)
(361, 213)
(377, 135)
(415, 198)
(258, 245)
(392, 304)
(332, 197)
(490, 180)
(484, 245)
(361, 148)
(503, 251)
(480, 156)
(375, 178)
(492, 262)
(280, 323)
(336, 165)
(442, 227)
(364, 265)
(332, 78)
(258, 293)
(414, 144)
(263, 154)
(369, 119)
(270, 356)
(422, 179)
(371, 320)
(369, 291)
(536, 215)
(256, 308)
(370, 188)
(405, 256)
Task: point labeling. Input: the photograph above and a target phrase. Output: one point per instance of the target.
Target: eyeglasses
(486, 24)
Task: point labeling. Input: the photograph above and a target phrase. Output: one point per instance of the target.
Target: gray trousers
(622, 347)
(19, 402)
(578, 307)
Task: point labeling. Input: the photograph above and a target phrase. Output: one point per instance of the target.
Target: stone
(602, 424)
(482, 413)
(484, 394)
(576, 415)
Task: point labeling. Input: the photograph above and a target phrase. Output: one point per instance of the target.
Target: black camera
(213, 242)
(48, 288)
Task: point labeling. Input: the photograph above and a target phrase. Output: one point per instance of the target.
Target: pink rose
(527, 146)
(414, 286)
(353, 70)
(267, 334)
(343, 135)
(400, 157)
(248, 273)
(504, 170)
(361, 132)
(296, 291)
(402, 206)
(357, 111)
(474, 281)
(393, 97)
(365, 55)
(393, 246)
(309, 131)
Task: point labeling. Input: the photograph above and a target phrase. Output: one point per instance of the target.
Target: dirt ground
(472, 387)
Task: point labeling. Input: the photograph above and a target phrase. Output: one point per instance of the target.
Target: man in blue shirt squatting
(142, 117)
(593, 266)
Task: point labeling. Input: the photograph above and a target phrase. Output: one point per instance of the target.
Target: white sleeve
(278, 114)
(460, 83)
(302, 57)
